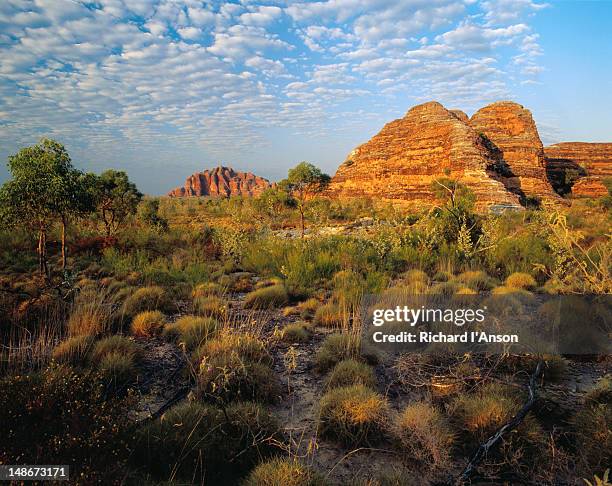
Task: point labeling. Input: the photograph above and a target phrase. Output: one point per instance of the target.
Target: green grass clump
(73, 350)
(354, 415)
(283, 472)
(146, 299)
(148, 323)
(521, 280)
(118, 369)
(210, 306)
(196, 440)
(192, 331)
(338, 347)
(423, 431)
(118, 344)
(266, 297)
(329, 315)
(236, 367)
(295, 333)
(351, 372)
(207, 288)
(475, 279)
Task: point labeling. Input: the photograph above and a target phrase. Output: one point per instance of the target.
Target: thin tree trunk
(64, 224)
(39, 250)
(302, 221)
(44, 252)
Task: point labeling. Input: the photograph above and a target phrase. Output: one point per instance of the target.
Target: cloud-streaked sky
(162, 88)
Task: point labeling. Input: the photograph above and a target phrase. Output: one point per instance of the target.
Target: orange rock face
(579, 167)
(399, 164)
(510, 127)
(222, 182)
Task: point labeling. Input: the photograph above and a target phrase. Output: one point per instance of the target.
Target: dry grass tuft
(210, 306)
(146, 299)
(283, 472)
(329, 315)
(520, 280)
(351, 372)
(148, 323)
(74, 350)
(295, 333)
(266, 297)
(192, 331)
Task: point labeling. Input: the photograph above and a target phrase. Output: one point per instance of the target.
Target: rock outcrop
(222, 182)
(511, 130)
(399, 164)
(579, 167)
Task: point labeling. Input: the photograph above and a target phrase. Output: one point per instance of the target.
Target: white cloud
(191, 33)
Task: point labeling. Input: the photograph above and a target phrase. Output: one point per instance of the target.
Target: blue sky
(163, 88)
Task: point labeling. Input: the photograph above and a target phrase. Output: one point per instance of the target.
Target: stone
(399, 164)
(222, 182)
(579, 167)
(516, 143)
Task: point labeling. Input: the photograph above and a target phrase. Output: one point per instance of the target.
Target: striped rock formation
(399, 164)
(221, 182)
(579, 167)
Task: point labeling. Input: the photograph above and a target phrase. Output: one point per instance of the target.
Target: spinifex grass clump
(236, 367)
(330, 315)
(338, 347)
(202, 443)
(210, 306)
(73, 350)
(425, 434)
(192, 331)
(351, 372)
(295, 333)
(148, 323)
(476, 280)
(354, 415)
(266, 297)
(146, 299)
(207, 288)
(521, 280)
(283, 472)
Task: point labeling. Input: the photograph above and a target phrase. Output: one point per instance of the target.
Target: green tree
(116, 198)
(271, 203)
(303, 182)
(43, 188)
(149, 214)
(455, 215)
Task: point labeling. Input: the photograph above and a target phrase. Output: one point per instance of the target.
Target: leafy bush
(283, 472)
(354, 415)
(148, 323)
(351, 372)
(192, 330)
(202, 443)
(520, 280)
(146, 299)
(425, 434)
(266, 297)
(73, 350)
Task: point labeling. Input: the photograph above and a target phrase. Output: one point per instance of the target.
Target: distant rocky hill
(497, 153)
(579, 167)
(222, 182)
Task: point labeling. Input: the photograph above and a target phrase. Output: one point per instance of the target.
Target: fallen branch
(483, 449)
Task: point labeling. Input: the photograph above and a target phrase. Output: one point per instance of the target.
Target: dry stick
(484, 448)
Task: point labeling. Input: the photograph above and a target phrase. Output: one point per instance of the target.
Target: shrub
(148, 323)
(73, 350)
(61, 413)
(329, 315)
(475, 279)
(351, 372)
(195, 440)
(210, 305)
(338, 347)
(354, 415)
(146, 299)
(283, 472)
(266, 297)
(520, 280)
(295, 333)
(425, 434)
(115, 344)
(192, 330)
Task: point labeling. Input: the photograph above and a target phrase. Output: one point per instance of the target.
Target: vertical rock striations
(399, 164)
(222, 182)
(511, 129)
